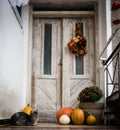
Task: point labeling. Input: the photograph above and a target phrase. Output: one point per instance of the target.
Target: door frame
(70, 14)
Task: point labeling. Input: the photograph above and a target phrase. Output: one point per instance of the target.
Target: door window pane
(79, 66)
(47, 48)
(79, 60)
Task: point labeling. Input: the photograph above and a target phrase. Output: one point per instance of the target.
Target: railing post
(105, 89)
(119, 73)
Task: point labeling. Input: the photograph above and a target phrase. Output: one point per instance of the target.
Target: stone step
(56, 126)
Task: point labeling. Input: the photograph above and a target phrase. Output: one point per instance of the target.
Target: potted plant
(90, 94)
(88, 101)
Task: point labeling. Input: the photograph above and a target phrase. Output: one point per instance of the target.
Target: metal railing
(113, 79)
(112, 76)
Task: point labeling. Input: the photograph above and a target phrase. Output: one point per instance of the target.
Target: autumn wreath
(78, 44)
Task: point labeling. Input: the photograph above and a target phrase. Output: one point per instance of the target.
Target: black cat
(22, 119)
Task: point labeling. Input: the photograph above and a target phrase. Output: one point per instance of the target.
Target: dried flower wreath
(78, 44)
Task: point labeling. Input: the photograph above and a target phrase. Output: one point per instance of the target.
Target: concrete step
(56, 126)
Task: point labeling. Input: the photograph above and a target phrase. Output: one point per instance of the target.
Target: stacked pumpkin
(63, 115)
(75, 116)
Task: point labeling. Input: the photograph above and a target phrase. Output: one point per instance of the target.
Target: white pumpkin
(64, 119)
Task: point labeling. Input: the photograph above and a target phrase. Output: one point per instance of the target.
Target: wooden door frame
(70, 14)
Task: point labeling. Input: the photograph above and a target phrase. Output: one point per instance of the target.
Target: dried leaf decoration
(78, 44)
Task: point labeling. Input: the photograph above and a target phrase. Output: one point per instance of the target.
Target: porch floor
(56, 126)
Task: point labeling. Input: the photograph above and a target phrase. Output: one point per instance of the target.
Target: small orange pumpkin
(91, 120)
(28, 109)
(65, 110)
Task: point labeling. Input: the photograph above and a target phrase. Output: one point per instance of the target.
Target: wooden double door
(59, 75)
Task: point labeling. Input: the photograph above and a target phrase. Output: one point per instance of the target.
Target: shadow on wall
(9, 102)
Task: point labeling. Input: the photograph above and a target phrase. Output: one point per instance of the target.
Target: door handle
(60, 63)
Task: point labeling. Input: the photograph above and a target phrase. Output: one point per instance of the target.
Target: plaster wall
(13, 41)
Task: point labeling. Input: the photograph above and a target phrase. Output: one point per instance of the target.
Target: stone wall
(115, 15)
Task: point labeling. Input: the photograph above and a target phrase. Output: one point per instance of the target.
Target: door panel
(73, 83)
(46, 67)
(60, 76)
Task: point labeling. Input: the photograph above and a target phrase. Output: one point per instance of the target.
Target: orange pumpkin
(28, 109)
(91, 120)
(77, 116)
(65, 110)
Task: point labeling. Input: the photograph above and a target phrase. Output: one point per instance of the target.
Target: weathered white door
(58, 75)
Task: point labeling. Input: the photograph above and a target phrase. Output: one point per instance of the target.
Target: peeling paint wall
(12, 62)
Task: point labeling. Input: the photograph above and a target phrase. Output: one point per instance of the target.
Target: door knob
(60, 63)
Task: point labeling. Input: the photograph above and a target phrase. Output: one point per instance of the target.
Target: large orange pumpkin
(77, 116)
(65, 110)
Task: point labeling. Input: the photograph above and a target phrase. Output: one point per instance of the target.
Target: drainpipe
(109, 50)
(109, 32)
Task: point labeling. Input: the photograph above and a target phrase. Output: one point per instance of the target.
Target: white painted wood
(61, 88)
(72, 84)
(62, 14)
(47, 87)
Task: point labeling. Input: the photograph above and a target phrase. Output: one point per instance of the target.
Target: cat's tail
(4, 122)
